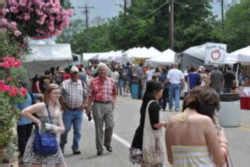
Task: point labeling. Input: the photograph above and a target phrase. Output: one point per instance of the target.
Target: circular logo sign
(215, 54)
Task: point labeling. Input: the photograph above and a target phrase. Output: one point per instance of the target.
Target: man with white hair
(102, 97)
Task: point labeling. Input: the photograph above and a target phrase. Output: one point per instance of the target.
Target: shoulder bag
(45, 143)
(152, 149)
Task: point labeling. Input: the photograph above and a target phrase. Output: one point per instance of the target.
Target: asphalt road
(126, 121)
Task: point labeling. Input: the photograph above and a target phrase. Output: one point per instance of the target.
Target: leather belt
(73, 109)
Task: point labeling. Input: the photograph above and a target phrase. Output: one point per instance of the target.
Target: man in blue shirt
(194, 78)
(24, 125)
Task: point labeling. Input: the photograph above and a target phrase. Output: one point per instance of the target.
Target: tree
(76, 26)
(94, 39)
(237, 23)
(147, 24)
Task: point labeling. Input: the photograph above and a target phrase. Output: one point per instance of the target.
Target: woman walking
(192, 137)
(149, 126)
(47, 116)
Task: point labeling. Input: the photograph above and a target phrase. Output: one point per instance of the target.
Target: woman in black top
(153, 92)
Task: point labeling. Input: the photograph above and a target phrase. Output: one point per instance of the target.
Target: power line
(85, 11)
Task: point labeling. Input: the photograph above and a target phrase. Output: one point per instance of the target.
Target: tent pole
(237, 75)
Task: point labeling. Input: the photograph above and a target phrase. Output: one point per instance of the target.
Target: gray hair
(102, 65)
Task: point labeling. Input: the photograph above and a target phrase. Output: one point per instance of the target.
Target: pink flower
(4, 87)
(26, 17)
(14, 9)
(3, 22)
(23, 91)
(46, 17)
(5, 11)
(13, 91)
(23, 2)
(12, 25)
(9, 62)
(17, 33)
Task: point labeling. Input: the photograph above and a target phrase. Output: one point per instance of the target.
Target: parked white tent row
(142, 53)
(105, 56)
(167, 57)
(152, 54)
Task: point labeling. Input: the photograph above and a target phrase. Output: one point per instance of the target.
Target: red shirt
(102, 90)
(66, 76)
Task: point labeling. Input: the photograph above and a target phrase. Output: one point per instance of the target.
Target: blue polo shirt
(28, 102)
(193, 79)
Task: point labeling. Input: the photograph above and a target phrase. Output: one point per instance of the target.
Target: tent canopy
(200, 52)
(167, 57)
(49, 52)
(142, 53)
(241, 55)
(116, 56)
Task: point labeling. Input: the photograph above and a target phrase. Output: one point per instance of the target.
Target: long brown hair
(204, 101)
(49, 89)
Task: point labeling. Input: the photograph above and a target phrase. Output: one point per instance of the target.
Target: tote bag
(45, 143)
(152, 149)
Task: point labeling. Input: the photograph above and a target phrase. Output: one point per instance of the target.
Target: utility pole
(171, 24)
(85, 11)
(125, 6)
(222, 14)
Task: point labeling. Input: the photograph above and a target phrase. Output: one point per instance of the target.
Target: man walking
(102, 96)
(176, 80)
(73, 103)
(229, 80)
(217, 79)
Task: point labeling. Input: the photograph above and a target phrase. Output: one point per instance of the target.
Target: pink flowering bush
(9, 80)
(37, 19)
(11, 93)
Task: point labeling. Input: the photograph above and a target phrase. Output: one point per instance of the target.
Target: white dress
(191, 156)
(30, 158)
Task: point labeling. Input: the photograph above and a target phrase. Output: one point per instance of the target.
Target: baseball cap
(74, 69)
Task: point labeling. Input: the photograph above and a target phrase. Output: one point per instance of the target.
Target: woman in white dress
(38, 113)
(192, 137)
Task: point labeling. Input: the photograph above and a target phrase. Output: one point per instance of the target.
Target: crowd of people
(57, 99)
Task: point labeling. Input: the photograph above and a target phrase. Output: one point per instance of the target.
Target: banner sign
(215, 53)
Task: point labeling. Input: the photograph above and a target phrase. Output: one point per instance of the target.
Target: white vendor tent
(116, 56)
(167, 57)
(210, 53)
(241, 55)
(142, 53)
(42, 57)
(49, 52)
(89, 56)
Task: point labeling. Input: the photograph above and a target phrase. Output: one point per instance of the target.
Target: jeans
(121, 85)
(72, 117)
(174, 96)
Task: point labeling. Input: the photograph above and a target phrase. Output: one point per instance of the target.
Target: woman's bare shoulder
(39, 105)
(197, 118)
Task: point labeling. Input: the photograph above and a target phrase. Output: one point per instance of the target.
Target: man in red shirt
(102, 96)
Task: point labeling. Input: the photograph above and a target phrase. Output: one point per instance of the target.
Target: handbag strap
(49, 114)
(147, 111)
